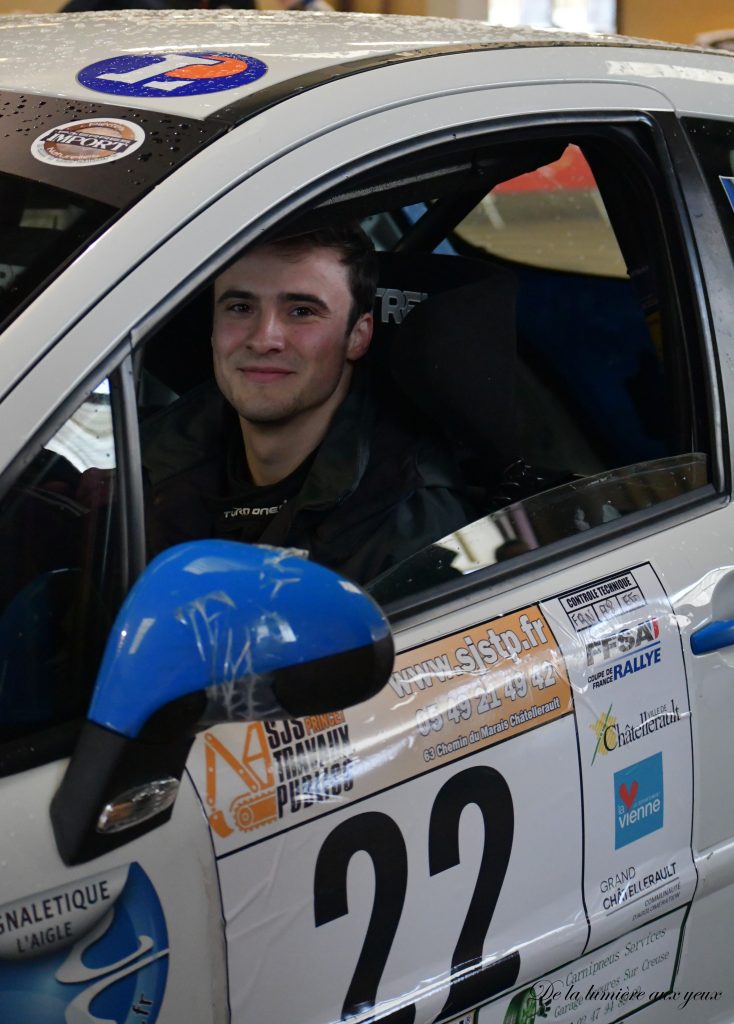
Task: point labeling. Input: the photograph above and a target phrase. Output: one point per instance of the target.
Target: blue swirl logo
(112, 966)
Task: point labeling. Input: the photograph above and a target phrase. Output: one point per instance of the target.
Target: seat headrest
(407, 279)
(449, 326)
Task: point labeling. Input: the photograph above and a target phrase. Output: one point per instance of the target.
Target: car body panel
(322, 41)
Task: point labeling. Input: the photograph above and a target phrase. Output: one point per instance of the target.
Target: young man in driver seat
(292, 447)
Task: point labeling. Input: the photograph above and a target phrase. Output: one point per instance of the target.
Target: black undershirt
(242, 510)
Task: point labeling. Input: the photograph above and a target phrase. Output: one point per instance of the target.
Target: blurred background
(710, 22)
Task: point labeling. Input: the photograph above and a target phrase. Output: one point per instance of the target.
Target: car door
(436, 858)
(342, 839)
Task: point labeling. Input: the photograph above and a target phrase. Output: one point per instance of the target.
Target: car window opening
(523, 318)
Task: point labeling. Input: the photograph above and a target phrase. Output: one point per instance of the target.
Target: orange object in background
(569, 172)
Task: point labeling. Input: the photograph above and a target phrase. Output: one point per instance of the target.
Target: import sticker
(88, 143)
(171, 74)
(607, 985)
(275, 770)
(601, 601)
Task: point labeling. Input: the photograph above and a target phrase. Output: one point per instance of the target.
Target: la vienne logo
(638, 800)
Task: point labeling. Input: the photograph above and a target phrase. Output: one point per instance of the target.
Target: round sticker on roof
(171, 74)
(88, 143)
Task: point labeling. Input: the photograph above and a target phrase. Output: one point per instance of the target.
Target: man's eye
(302, 312)
(240, 307)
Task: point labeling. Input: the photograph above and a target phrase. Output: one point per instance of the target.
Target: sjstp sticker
(171, 74)
(88, 143)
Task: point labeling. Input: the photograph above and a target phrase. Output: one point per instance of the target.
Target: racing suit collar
(342, 457)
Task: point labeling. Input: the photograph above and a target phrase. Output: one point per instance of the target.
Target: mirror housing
(213, 631)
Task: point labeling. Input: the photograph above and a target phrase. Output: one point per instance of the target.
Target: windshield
(68, 168)
(41, 228)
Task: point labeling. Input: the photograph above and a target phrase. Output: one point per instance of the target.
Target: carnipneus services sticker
(88, 143)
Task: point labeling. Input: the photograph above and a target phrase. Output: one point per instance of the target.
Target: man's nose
(268, 333)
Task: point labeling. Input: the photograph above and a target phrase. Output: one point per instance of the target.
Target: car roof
(44, 54)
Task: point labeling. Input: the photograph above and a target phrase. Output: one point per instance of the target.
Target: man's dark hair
(356, 252)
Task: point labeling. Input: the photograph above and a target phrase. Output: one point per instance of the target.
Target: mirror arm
(133, 779)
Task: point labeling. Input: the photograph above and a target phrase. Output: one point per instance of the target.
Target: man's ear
(360, 337)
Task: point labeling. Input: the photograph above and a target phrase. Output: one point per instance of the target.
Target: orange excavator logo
(255, 804)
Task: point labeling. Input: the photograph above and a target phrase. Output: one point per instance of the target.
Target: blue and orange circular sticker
(153, 75)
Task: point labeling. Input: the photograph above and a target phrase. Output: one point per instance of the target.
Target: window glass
(604, 413)
(572, 508)
(552, 217)
(40, 228)
(60, 583)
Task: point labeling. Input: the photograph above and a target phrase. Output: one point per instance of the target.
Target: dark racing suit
(374, 492)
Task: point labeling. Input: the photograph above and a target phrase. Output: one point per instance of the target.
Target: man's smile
(264, 374)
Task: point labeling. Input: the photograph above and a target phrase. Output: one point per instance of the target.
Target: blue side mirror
(262, 631)
(213, 631)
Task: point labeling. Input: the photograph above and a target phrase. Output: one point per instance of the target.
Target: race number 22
(379, 837)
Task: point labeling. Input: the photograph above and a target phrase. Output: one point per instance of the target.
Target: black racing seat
(445, 335)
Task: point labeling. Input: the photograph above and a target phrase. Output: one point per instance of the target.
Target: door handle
(713, 636)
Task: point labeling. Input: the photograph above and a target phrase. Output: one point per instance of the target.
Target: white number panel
(396, 894)
(517, 796)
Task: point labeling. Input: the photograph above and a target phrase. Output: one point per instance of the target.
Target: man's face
(281, 347)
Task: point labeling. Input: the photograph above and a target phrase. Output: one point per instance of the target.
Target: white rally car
(529, 813)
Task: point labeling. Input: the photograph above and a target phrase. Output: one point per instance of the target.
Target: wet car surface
(245, 806)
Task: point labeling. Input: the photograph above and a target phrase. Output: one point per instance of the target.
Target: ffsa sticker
(88, 143)
(633, 718)
(171, 74)
(93, 949)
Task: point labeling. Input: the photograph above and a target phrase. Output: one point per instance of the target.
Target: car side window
(578, 319)
(600, 364)
(533, 318)
(60, 581)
